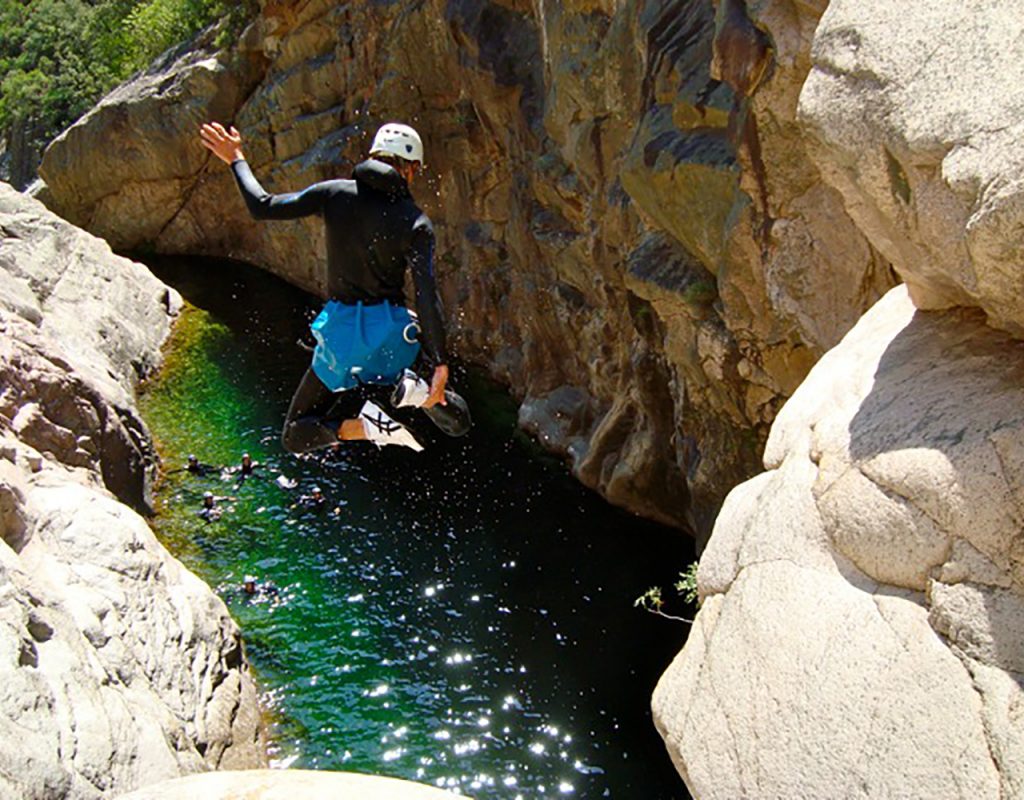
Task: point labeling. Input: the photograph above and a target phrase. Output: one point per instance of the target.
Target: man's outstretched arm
(226, 144)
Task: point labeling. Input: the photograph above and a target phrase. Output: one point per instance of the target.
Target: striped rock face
(631, 233)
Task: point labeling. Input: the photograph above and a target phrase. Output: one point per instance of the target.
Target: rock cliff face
(117, 665)
(631, 233)
(863, 616)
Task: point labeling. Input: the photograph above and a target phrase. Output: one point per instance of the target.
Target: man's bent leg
(306, 427)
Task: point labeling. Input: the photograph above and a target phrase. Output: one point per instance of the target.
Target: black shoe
(452, 418)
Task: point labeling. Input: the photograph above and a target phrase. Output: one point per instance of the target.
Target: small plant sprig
(686, 586)
(687, 583)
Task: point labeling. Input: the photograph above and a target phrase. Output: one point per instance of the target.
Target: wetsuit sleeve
(428, 306)
(263, 205)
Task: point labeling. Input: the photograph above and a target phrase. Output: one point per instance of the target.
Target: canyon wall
(119, 667)
(631, 233)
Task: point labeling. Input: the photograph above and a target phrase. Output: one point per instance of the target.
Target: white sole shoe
(381, 429)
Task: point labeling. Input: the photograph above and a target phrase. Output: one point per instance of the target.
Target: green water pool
(462, 617)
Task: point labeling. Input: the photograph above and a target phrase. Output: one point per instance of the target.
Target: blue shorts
(359, 343)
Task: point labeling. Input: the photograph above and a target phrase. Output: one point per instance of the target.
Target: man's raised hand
(223, 143)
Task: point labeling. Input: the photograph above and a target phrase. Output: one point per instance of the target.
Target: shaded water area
(462, 617)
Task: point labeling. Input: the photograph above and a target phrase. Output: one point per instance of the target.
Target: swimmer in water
(245, 469)
(194, 466)
(210, 510)
(257, 590)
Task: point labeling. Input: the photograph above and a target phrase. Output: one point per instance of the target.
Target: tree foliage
(58, 57)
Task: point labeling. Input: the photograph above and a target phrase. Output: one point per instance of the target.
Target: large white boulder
(862, 626)
(914, 108)
(119, 666)
(288, 785)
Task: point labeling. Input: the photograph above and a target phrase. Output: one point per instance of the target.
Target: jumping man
(365, 334)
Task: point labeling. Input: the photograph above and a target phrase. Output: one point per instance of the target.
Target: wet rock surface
(119, 667)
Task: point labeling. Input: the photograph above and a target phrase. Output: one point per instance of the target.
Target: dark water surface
(461, 617)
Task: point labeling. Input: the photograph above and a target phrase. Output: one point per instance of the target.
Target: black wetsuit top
(375, 231)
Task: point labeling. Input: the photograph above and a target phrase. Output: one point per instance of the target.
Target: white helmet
(395, 139)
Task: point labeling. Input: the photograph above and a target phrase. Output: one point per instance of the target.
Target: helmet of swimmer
(398, 140)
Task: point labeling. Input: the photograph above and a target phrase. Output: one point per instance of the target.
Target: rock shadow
(950, 383)
(931, 382)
